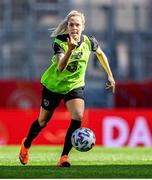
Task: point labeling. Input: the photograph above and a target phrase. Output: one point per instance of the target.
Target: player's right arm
(63, 59)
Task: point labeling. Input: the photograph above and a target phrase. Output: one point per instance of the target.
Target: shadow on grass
(96, 171)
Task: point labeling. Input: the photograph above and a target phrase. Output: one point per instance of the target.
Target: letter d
(109, 124)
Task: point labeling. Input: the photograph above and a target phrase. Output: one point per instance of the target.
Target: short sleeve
(94, 43)
(57, 48)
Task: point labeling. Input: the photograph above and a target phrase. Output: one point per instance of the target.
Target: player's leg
(34, 130)
(76, 109)
(75, 105)
(37, 126)
(49, 103)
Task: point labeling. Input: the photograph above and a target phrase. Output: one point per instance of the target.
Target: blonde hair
(62, 27)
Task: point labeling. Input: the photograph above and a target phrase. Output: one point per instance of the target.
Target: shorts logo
(46, 102)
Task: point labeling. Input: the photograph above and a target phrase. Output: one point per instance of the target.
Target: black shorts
(51, 100)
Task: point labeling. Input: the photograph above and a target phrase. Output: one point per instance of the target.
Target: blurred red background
(127, 126)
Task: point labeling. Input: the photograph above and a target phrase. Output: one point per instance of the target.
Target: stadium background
(124, 31)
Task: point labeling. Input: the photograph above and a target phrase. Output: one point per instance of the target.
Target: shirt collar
(81, 40)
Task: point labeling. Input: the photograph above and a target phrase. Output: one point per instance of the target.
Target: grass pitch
(97, 163)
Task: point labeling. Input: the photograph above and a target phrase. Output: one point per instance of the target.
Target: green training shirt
(74, 75)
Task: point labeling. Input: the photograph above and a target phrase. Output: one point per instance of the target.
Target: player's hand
(72, 43)
(111, 84)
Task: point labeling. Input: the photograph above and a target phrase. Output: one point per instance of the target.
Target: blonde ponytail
(62, 27)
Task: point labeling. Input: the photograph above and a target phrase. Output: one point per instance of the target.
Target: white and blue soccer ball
(83, 139)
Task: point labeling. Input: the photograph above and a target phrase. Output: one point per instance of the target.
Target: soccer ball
(83, 139)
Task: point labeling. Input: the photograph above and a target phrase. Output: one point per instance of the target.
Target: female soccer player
(64, 79)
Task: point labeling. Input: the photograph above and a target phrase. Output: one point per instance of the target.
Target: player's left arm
(104, 62)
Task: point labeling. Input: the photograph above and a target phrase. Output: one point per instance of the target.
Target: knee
(77, 116)
(43, 123)
(44, 117)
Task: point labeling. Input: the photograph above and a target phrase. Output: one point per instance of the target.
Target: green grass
(97, 163)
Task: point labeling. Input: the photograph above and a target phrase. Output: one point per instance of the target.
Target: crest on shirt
(72, 66)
